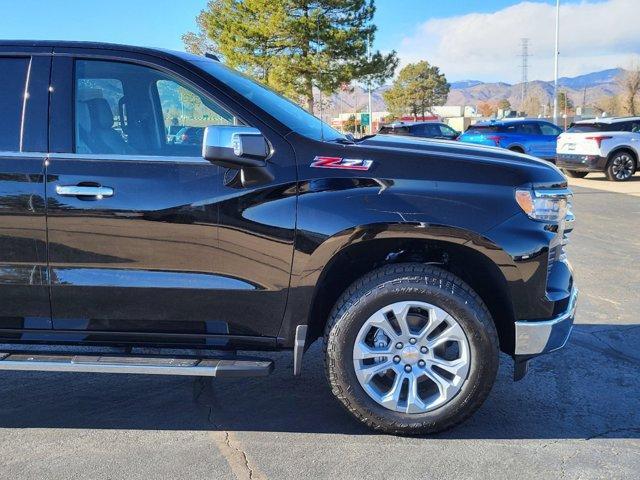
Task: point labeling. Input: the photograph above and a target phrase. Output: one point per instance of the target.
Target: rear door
(24, 297)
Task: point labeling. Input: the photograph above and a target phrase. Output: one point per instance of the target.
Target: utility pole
(524, 43)
(369, 86)
(555, 64)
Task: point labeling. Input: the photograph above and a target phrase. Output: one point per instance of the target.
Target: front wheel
(575, 173)
(621, 167)
(411, 349)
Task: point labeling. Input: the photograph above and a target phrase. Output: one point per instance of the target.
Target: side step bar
(140, 364)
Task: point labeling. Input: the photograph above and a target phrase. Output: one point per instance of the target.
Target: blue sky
(469, 39)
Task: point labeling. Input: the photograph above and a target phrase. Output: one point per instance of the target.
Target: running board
(140, 364)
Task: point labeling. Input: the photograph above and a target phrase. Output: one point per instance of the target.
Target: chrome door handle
(82, 191)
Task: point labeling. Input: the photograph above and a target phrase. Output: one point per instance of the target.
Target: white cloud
(593, 36)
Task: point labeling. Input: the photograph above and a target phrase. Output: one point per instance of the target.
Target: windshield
(282, 109)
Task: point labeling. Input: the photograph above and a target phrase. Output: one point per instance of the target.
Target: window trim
(115, 157)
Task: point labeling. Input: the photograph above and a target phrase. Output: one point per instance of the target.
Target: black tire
(621, 166)
(418, 282)
(516, 149)
(575, 173)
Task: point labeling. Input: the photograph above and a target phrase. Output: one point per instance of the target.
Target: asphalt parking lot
(576, 415)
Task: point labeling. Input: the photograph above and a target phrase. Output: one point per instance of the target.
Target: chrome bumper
(534, 338)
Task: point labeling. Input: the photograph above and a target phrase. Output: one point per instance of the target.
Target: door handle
(84, 191)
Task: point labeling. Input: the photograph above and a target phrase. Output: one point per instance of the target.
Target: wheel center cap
(410, 355)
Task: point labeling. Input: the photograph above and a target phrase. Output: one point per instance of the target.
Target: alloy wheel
(622, 166)
(411, 357)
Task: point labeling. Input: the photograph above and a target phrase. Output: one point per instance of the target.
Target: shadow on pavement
(590, 389)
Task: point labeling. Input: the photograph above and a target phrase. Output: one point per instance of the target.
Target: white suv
(610, 145)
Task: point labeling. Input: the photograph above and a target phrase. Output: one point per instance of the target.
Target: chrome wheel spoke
(362, 351)
(367, 372)
(446, 389)
(391, 399)
(380, 320)
(414, 402)
(453, 333)
(401, 312)
(436, 317)
(458, 368)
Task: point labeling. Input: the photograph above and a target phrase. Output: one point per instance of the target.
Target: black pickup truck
(415, 261)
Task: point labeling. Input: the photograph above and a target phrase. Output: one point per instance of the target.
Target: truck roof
(162, 52)
(608, 120)
(504, 121)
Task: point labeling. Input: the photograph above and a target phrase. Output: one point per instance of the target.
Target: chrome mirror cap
(234, 146)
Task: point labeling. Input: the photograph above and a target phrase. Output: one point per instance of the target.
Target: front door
(550, 134)
(134, 211)
(24, 293)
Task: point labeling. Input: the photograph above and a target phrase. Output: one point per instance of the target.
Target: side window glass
(127, 109)
(624, 127)
(417, 130)
(635, 127)
(99, 127)
(446, 131)
(528, 129)
(431, 130)
(185, 114)
(13, 77)
(548, 129)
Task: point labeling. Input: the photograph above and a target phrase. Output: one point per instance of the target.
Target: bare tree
(609, 106)
(629, 81)
(532, 105)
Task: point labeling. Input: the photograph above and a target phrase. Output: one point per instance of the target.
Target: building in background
(458, 117)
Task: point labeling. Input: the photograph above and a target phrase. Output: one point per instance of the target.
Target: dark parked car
(275, 232)
(522, 135)
(420, 129)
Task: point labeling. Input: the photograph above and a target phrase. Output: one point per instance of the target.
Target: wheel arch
(517, 147)
(471, 257)
(624, 148)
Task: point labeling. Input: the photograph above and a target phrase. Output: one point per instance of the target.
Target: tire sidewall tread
(410, 281)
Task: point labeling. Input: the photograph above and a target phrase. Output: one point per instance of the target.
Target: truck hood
(540, 169)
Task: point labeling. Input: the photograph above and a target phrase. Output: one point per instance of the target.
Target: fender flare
(309, 273)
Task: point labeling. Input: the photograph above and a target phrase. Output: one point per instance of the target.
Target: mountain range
(587, 89)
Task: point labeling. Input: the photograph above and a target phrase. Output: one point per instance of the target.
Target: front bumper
(581, 163)
(538, 337)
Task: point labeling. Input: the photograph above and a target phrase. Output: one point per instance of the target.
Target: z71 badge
(342, 163)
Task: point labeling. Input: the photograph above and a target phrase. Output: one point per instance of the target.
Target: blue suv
(533, 137)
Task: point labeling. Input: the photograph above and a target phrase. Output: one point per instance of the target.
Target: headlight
(545, 205)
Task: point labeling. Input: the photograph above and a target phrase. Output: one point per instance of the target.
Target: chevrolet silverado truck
(414, 261)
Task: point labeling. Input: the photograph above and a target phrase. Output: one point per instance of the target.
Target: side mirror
(235, 146)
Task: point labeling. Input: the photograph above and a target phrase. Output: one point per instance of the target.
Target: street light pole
(555, 64)
(369, 86)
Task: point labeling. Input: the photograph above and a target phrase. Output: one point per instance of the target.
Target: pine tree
(417, 89)
(295, 45)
